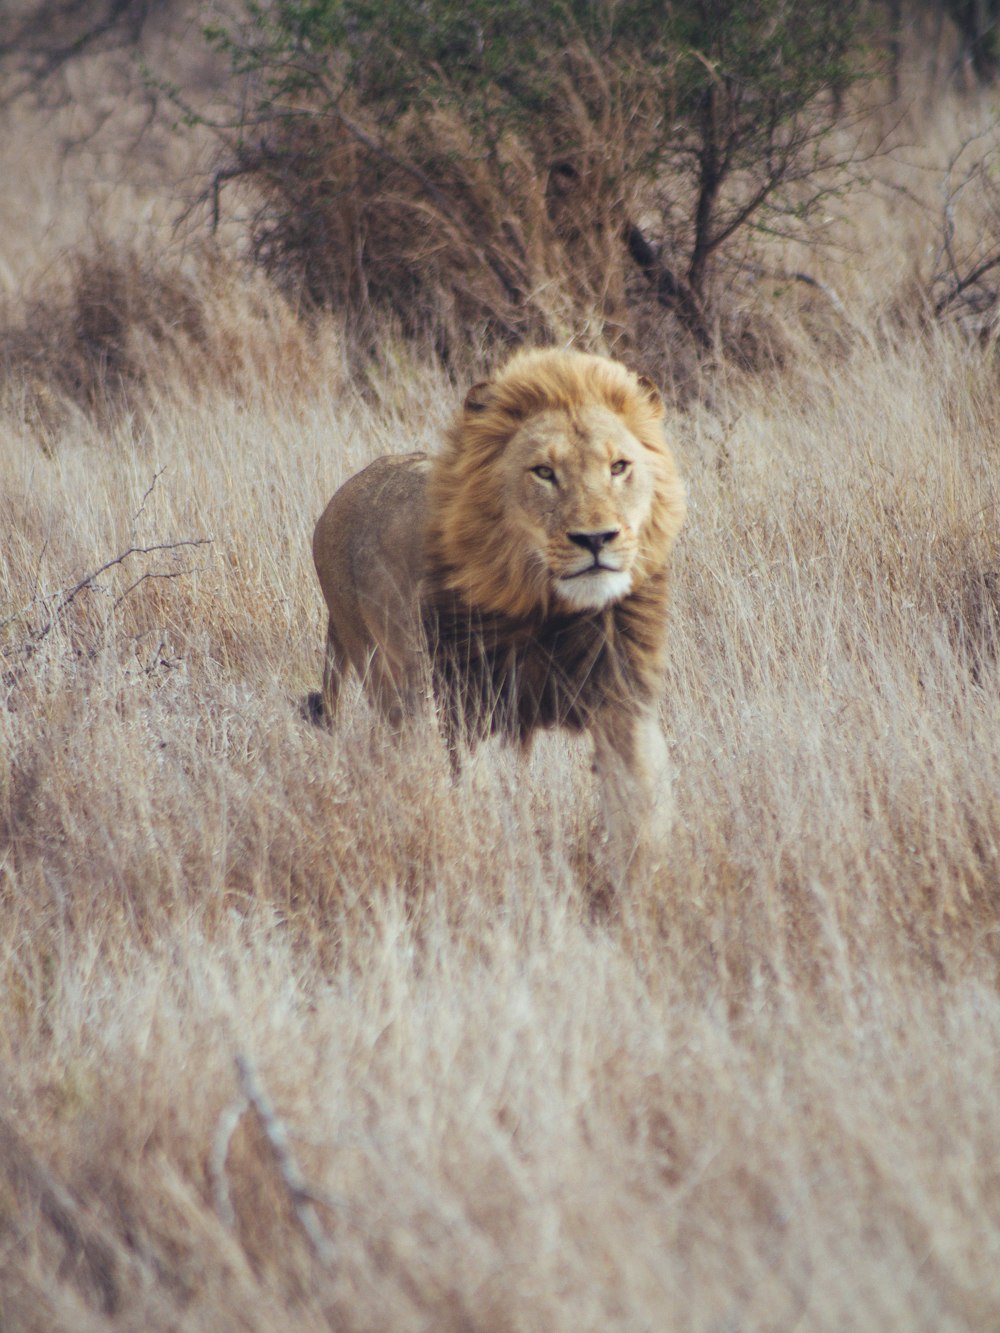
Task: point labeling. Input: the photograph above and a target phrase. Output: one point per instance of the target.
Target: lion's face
(578, 492)
(557, 490)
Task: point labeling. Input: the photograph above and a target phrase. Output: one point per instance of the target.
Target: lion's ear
(651, 392)
(478, 397)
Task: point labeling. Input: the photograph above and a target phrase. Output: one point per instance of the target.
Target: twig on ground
(224, 1131)
(303, 1199)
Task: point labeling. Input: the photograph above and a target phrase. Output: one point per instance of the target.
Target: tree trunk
(670, 290)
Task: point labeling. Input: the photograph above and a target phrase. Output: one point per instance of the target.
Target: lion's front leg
(633, 770)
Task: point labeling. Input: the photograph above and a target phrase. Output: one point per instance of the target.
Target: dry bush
(553, 182)
(429, 226)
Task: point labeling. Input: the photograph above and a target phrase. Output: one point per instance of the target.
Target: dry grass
(762, 1098)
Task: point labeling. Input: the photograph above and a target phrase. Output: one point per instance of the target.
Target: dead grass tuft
(113, 329)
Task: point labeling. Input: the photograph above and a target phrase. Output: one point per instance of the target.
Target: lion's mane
(470, 541)
(504, 658)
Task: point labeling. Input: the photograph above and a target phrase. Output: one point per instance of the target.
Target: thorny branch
(66, 598)
(54, 606)
(957, 277)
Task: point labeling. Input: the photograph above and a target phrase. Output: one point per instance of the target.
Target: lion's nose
(593, 541)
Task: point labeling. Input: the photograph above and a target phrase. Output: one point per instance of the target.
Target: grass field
(300, 1034)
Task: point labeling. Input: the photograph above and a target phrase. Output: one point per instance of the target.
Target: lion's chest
(494, 676)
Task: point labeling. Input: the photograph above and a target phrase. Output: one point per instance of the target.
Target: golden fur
(525, 566)
(478, 534)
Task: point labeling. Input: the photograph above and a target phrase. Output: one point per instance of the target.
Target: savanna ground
(297, 1033)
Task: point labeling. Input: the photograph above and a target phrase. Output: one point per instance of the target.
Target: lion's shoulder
(388, 483)
(389, 469)
(417, 461)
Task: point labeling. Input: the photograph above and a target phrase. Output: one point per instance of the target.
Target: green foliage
(397, 56)
(716, 105)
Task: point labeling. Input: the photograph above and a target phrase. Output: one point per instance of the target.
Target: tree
(494, 150)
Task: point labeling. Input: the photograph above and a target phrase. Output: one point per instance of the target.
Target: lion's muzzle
(593, 541)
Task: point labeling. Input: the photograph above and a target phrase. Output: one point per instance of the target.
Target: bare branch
(142, 503)
(224, 1131)
(959, 277)
(806, 279)
(56, 32)
(302, 1198)
(823, 287)
(56, 607)
(87, 582)
(149, 574)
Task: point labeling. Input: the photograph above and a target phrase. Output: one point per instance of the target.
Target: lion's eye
(620, 467)
(545, 473)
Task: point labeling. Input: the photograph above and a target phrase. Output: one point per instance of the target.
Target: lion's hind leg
(321, 706)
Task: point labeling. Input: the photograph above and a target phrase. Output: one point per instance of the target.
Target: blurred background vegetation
(490, 171)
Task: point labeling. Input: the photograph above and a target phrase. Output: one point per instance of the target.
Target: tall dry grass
(300, 1034)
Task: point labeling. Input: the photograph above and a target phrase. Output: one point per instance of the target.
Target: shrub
(521, 165)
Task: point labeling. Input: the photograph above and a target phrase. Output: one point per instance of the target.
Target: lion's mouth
(595, 568)
(595, 586)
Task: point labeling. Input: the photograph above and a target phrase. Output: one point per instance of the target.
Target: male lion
(521, 573)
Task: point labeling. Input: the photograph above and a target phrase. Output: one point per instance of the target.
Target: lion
(518, 579)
